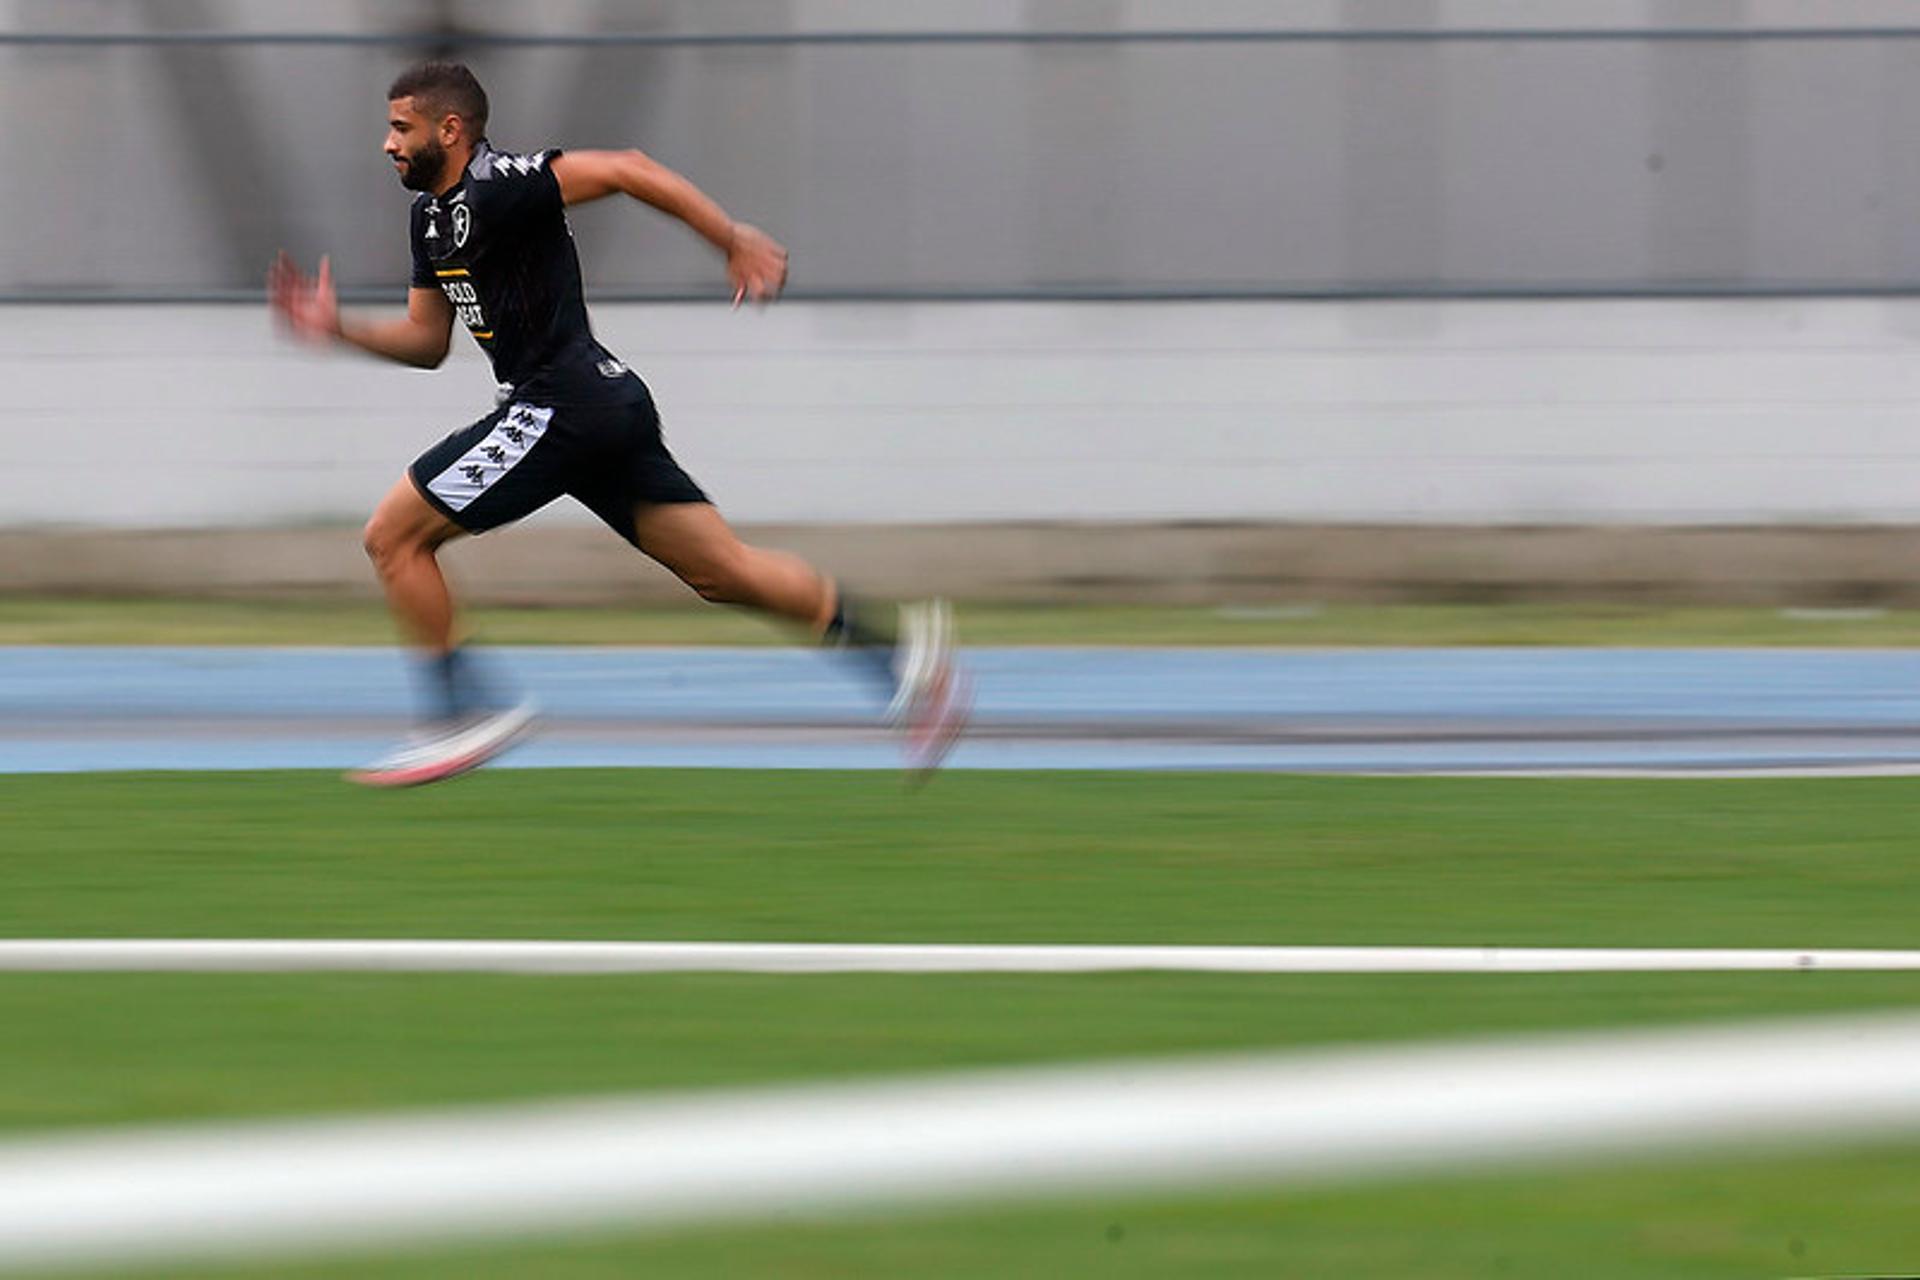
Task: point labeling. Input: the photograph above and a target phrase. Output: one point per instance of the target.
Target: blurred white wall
(1682, 412)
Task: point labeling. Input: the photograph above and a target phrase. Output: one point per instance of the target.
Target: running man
(491, 247)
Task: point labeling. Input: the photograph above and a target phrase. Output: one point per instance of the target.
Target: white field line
(156, 1195)
(270, 955)
(1835, 769)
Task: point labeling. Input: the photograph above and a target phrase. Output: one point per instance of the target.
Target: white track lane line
(269, 955)
(1838, 769)
(639, 1161)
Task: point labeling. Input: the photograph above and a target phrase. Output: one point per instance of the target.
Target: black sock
(865, 632)
(454, 686)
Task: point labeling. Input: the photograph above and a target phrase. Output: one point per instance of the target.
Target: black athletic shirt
(499, 247)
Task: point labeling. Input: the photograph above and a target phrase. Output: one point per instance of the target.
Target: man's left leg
(693, 541)
(702, 550)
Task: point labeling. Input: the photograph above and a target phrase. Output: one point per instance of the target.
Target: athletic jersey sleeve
(423, 277)
(518, 188)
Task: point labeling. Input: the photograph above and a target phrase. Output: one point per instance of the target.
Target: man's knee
(378, 541)
(388, 541)
(722, 578)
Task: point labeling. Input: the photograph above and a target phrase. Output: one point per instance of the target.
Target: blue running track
(1408, 710)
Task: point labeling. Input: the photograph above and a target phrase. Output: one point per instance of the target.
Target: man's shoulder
(490, 163)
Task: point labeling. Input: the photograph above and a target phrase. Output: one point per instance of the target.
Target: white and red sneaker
(452, 751)
(938, 722)
(933, 697)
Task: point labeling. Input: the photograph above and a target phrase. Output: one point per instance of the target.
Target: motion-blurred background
(1288, 392)
(1195, 300)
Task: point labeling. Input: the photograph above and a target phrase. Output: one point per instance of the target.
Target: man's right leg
(403, 540)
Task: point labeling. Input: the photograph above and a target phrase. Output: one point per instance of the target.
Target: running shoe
(932, 697)
(448, 752)
(939, 721)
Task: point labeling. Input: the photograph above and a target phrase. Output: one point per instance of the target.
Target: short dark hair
(443, 89)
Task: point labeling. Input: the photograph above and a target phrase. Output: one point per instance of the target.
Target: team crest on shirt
(462, 225)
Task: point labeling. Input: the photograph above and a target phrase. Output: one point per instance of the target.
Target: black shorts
(523, 455)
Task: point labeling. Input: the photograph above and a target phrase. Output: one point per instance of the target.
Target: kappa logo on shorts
(482, 466)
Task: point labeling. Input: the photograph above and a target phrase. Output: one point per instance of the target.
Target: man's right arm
(312, 310)
(419, 338)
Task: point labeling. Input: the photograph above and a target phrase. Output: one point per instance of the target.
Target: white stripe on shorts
(511, 439)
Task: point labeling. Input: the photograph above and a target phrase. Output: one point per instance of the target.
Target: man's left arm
(756, 263)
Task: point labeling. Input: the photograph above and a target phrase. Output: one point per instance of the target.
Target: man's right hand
(308, 306)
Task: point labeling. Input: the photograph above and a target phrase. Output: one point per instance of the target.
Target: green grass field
(227, 1046)
(66, 620)
(978, 857)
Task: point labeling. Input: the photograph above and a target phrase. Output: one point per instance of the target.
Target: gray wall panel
(1626, 165)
